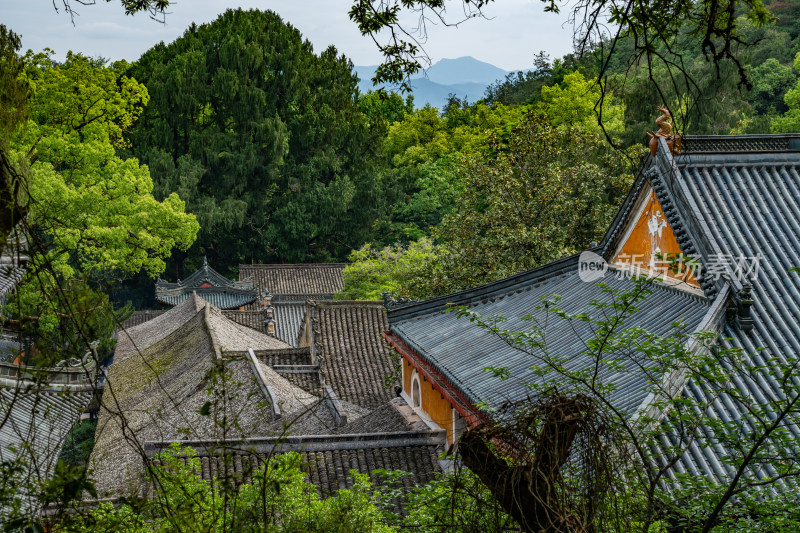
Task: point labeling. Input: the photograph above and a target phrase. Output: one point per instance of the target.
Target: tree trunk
(12, 203)
(528, 491)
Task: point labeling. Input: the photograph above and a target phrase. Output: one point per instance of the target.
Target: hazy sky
(517, 29)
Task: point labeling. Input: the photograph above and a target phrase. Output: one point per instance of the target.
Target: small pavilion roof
(210, 285)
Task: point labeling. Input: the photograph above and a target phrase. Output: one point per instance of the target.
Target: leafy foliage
(264, 139)
(790, 121)
(279, 498)
(91, 213)
(541, 192)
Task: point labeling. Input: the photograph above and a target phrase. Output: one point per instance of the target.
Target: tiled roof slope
(288, 319)
(160, 388)
(327, 460)
(221, 297)
(238, 338)
(296, 282)
(746, 205)
(33, 425)
(353, 357)
(460, 351)
(140, 317)
(10, 275)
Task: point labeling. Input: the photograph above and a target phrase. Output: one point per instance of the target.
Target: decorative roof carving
(212, 286)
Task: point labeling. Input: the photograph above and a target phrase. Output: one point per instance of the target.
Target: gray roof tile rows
(33, 426)
(239, 338)
(353, 357)
(460, 351)
(289, 317)
(140, 317)
(292, 356)
(10, 275)
(224, 298)
(161, 387)
(751, 205)
(296, 282)
(327, 461)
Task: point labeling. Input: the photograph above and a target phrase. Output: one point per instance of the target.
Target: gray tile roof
(147, 333)
(327, 460)
(743, 204)
(210, 285)
(289, 317)
(460, 351)
(159, 380)
(140, 317)
(296, 282)
(353, 357)
(10, 276)
(34, 422)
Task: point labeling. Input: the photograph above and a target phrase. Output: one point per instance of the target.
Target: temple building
(330, 399)
(717, 218)
(210, 285)
(274, 296)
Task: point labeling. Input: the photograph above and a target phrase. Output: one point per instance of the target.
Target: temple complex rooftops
(210, 285)
(165, 370)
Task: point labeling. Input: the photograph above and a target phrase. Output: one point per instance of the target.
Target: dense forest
(281, 160)
(252, 147)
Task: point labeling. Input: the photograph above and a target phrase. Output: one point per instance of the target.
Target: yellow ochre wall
(643, 241)
(433, 403)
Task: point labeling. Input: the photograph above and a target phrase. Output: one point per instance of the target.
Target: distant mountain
(466, 77)
(464, 70)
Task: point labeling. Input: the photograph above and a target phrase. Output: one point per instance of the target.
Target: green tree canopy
(264, 137)
(789, 122)
(91, 213)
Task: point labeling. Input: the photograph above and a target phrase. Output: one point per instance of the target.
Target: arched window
(416, 393)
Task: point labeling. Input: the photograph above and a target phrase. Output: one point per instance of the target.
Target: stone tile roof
(353, 357)
(296, 282)
(239, 338)
(12, 261)
(289, 317)
(460, 351)
(160, 389)
(140, 317)
(210, 285)
(10, 276)
(327, 460)
(291, 356)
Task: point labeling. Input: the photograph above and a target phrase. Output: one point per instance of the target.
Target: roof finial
(205, 261)
(664, 123)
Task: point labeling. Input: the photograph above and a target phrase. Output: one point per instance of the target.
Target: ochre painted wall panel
(433, 403)
(407, 371)
(652, 233)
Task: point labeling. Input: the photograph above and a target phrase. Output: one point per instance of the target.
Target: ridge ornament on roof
(209, 284)
(664, 123)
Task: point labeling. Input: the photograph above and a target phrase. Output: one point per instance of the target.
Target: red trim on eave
(457, 401)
